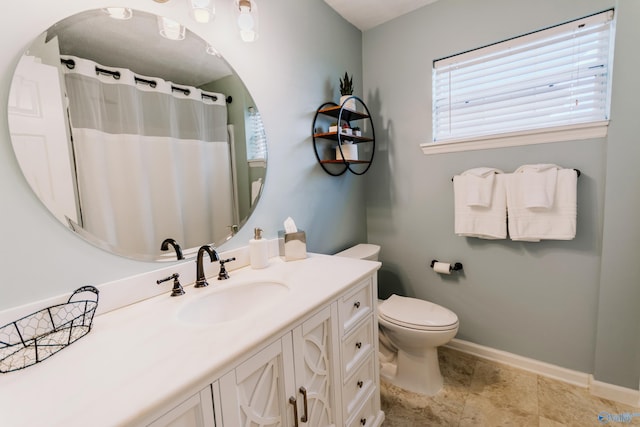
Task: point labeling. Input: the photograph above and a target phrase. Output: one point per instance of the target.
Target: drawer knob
(360, 384)
(363, 421)
(358, 344)
(356, 304)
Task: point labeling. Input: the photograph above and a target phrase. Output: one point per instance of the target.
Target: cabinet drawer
(366, 416)
(356, 305)
(357, 387)
(357, 346)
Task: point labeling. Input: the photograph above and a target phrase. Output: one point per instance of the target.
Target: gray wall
(617, 357)
(303, 49)
(569, 303)
(573, 304)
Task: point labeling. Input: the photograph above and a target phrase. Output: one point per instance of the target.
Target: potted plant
(346, 130)
(333, 127)
(356, 131)
(346, 90)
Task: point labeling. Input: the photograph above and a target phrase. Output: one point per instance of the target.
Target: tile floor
(481, 393)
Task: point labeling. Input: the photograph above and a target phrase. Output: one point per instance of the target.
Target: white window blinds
(554, 77)
(257, 140)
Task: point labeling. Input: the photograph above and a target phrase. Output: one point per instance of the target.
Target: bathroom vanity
(294, 344)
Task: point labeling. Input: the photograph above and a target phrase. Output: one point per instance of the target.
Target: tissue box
(292, 246)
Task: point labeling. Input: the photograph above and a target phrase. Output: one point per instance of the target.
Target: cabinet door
(253, 394)
(316, 356)
(196, 411)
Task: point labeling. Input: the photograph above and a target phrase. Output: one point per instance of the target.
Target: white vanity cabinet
(196, 411)
(293, 381)
(310, 351)
(321, 373)
(359, 347)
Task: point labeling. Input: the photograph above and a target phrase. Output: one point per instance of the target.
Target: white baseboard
(607, 391)
(614, 392)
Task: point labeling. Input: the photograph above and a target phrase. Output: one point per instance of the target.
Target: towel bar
(578, 173)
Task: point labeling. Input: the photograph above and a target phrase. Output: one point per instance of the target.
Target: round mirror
(132, 130)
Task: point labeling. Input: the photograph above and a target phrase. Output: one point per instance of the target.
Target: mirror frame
(248, 104)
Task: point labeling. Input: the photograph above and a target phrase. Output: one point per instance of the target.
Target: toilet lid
(416, 313)
(361, 251)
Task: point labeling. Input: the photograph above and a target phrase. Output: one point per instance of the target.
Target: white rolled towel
(479, 221)
(479, 183)
(534, 224)
(538, 184)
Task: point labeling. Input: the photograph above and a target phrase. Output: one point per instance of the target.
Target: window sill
(563, 133)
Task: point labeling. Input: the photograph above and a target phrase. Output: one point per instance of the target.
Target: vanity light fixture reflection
(203, 11)
(121, 13)
(170, 29)
(248, 19)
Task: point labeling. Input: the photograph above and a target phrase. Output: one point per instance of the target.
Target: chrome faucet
(176, 247)
(201, 282)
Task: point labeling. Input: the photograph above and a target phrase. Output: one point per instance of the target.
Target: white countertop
(138, 359)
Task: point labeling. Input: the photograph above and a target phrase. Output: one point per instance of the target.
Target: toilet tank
(361, 251)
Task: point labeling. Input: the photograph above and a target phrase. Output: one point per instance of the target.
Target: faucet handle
(223, 274)
(177, 287)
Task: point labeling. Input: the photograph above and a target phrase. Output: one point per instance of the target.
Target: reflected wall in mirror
(129, 138)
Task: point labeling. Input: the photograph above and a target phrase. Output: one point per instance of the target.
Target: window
(257, 140)
(552, 78)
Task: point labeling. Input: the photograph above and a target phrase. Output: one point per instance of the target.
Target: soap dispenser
(258, 250)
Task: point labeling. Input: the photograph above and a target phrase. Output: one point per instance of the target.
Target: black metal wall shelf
(326, 142)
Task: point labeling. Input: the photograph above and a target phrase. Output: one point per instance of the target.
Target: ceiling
(136, 44)
(366, 14)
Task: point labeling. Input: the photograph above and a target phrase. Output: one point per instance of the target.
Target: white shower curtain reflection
(148, 158)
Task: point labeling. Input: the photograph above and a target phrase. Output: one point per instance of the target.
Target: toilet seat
(417, 314)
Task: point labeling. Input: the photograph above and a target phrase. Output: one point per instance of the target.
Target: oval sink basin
(233, 303)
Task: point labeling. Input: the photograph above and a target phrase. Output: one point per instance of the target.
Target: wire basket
(40, 335)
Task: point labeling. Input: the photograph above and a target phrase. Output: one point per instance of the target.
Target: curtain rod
(114, 74)
(151, 83)
(71, 64)
(185, 91)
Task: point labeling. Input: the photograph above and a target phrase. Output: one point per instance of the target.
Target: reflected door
(39, 137)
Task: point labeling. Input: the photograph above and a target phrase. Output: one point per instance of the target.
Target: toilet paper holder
(454, 267)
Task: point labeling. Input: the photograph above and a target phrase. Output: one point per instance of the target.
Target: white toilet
(411, 330)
